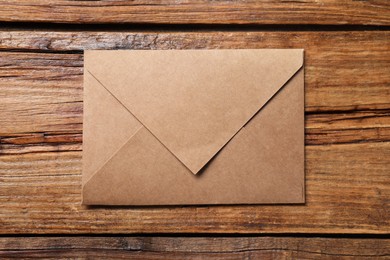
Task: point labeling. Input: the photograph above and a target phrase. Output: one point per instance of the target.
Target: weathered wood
(347, 191)
(344, 70)
(195, 247)
(374, 12)
(321, 129)
(353, 127)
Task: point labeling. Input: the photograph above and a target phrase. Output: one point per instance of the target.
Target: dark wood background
(347, 84)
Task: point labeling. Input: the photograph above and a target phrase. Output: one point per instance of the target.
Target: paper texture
(177, 127)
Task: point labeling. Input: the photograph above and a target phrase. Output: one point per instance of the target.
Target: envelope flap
(194, 101)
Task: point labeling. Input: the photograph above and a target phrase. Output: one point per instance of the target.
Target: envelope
(192, 127)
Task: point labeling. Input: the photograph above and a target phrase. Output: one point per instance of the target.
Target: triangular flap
(102, 112)
(194, 101)
(137, 174)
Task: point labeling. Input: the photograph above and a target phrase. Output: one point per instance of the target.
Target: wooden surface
(347, 125)
(347, 112)
(372, 12)
(195, 247)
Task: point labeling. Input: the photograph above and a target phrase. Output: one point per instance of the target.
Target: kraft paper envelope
(181, 127)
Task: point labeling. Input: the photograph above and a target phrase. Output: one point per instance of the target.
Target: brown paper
(180, 127)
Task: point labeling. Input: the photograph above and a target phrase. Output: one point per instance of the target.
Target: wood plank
(344, 70)
(321, 129)
(352, 127)
(198, 12)
(347, 191)
(195, 247)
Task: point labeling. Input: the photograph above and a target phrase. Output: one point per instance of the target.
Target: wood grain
(347, 81)
(344, 70)
(373, 12)
(194, 247)
(347, 132)
(321, 129)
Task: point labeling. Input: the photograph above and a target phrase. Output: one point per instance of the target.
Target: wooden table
(347, 65)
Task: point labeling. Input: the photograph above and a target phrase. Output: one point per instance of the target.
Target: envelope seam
(115, 98)
(137, 118)
(113, 154)
(123, 143)
(274, 95)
